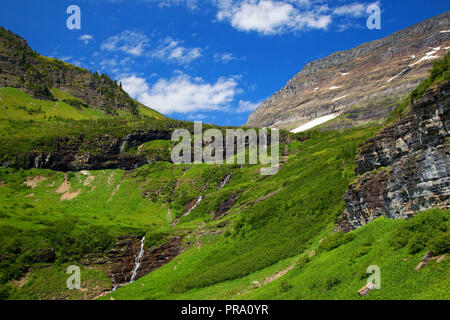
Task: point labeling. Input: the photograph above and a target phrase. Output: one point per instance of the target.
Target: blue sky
(208, 60)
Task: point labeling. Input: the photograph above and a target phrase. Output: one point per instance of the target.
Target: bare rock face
(122, 258)
(68, 154)
(405, 168)
(362, 84)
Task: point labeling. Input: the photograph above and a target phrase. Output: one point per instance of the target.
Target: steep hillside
(67, 86)
(405, 168)
(360, 85)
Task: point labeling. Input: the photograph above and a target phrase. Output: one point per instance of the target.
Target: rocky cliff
(93, 152)
(362, 84)
(405, 168)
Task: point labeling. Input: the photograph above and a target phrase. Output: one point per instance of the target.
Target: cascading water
(137, 261)
(196, 204)
(224, 182)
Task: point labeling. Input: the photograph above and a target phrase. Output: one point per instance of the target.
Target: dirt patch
(278, 275)
(70, 195)
(89, 179)
(118, 185)
(34, 182)
(64, 190)
(30, 195)
(110, 179)
(114, 191)
(64, 187)
(21, 282)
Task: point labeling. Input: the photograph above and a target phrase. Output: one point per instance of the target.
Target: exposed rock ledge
(406, 167)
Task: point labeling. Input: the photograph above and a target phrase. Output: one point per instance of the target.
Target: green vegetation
(274, 235)
(17, 105)
(39, 76)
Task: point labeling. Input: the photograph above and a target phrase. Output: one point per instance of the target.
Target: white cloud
(271, 16)
(86, 38)
(196, 117)
(191, 4)
(182, 93)
(247, 106)
(130, 42)
(224, 57)
(171, 50)
(354, 10)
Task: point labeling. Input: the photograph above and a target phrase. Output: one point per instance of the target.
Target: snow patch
(428, 56)
(334, 87)
(393, 78)
(313, 123)
(336, 99)
(315, 89)
(444, 31)
(344, 73)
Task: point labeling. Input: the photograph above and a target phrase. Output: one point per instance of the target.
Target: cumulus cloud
(130, 42)
(182, 93)
(271, 16)
(86, 38)
(138, 44)
(172, 51)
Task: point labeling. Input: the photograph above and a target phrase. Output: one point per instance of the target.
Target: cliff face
(68, 154)
(362, 84)
(22, 68)
(122, 259)
(406, 167)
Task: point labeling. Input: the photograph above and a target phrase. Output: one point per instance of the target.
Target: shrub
(335, 240)
(426, 230)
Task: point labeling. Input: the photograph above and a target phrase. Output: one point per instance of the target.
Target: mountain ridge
(360, 85)
(38, 76)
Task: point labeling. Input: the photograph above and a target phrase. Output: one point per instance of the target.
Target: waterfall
(137, 261)
(224, 182)
(196, 204)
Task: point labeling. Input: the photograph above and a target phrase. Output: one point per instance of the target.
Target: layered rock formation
(362, 84)
(70, 154)
(405, 168)
(122, 258)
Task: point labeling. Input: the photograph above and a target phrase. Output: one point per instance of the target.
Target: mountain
(360, 85)
(69, 91)
(100, 192)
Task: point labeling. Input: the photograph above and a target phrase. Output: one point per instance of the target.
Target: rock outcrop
(363, 84)
(405, 168)
(122, 258)
(71, 154)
